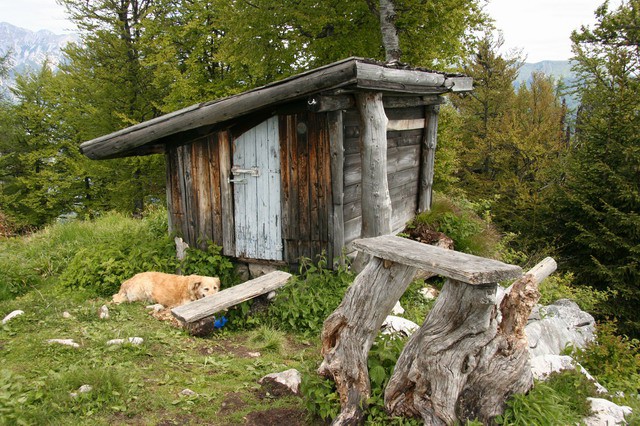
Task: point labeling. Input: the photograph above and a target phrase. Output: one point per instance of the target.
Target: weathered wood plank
(336, 229)
(328, 103)
(451, 264)
(427, 157)
(226, 195)
(216, 196)
(202, 192)
(225, 299)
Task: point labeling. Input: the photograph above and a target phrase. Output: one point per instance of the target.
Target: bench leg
(350, 330)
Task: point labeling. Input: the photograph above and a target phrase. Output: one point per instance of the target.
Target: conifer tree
(596, 212)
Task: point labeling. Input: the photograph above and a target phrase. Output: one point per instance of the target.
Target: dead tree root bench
(468, 357)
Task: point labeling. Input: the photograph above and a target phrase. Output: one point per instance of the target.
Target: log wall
(403, 167)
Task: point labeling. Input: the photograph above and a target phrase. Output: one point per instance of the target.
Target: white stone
(103, 312)
(554, 327)
(257, 269)
(66, 342)
(132, 340)
(606, 413)
(187, 392)
(397, 325)
(254, 354)
(429, 293)
(66, 315)
(12, 315)
(155, 307)
(271, 295)
(397, 309)
(290, 379)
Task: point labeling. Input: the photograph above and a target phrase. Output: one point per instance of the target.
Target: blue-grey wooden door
(256, 183)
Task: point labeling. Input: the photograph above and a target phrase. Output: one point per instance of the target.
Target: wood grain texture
(427, 156)
(210, 305)
(448, 263)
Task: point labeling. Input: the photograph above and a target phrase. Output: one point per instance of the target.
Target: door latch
(254, 171)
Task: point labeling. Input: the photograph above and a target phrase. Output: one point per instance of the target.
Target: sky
(541, 28)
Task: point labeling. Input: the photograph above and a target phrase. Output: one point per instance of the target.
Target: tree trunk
(376, 201)
(350, 330)
(389, 31)
(469, 356)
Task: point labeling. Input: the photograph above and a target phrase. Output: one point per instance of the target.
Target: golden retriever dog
(166, 289)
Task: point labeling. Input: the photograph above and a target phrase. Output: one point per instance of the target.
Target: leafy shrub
(542, 406)
(614, 360)
(307, 300)
(560, 286)
(211, 263)
(469, 232)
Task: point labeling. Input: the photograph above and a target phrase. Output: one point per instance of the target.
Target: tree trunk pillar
(376, 201)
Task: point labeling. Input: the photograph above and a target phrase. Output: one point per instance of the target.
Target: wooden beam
(210, 305)
(336, 148)
(326, 103)
(459, 266)
(226, 195)
(428, 155)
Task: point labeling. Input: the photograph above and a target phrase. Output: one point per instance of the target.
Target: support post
(376, 201)
(428, 155)
(336, 144)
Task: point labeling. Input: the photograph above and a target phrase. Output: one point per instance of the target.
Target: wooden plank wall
(306, 185)
(197, 208)
(403, 168)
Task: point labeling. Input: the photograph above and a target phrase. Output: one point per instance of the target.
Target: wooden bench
(452, 367)
(198, 316)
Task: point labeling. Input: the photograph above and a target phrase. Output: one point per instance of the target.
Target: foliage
(561, 286)
(307, 299)
(613, 359)
(595, 206)
(470, 233)
(119, 253)
(209, 262)
(545, 405)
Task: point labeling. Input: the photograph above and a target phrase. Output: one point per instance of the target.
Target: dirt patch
(277, 416)
(424, 234)
(232, 402)
(228, 347)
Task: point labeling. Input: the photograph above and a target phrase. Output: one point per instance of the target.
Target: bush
(307, 300)
(559, 401)
(470, 233)
(560, 286)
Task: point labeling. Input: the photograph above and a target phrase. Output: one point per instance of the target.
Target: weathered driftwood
(350, 330)
(469, 356)
(198, 315)
(376, 201)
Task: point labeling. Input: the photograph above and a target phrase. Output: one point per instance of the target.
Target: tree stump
(469, 356)
(350, 330)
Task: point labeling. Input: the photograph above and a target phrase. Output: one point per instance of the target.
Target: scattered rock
(397, 325)
(271, 295)
(254, 354)
(66, 315)
(133, 340)
(12, 315)
(66, 342)
(187, 392)
(551, 328)
(397, 309)
(81, 389)
(155, 307)
(429, 292)
(607, 413)
(286, 382)
(242, 271)
(103, 312)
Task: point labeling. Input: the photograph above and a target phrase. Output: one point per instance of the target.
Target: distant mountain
(30, 49)
(559, 70)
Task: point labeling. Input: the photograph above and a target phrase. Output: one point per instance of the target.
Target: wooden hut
(277, 172)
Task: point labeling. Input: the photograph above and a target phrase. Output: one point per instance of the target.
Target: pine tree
(597, 208)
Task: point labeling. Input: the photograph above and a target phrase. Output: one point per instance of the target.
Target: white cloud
(35, 15)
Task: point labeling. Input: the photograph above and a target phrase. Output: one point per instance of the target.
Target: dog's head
(200, 287)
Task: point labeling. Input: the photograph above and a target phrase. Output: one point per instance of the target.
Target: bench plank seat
(206, 307)
(451, 264)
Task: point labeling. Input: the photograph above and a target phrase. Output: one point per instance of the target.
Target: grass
(137, 384)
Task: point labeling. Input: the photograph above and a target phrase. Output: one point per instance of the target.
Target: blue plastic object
(220, 322)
